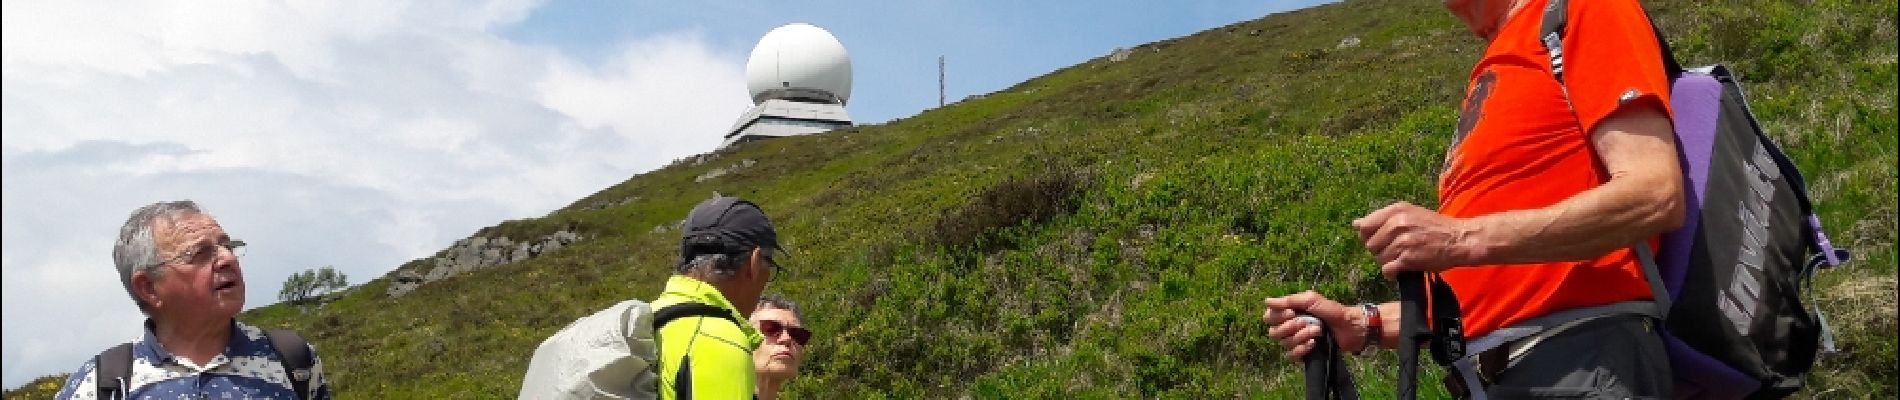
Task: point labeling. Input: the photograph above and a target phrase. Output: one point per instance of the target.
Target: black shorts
(1615, 357)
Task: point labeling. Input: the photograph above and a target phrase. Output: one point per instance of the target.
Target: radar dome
(799, 62)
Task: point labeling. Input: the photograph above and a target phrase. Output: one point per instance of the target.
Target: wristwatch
(1374, 328)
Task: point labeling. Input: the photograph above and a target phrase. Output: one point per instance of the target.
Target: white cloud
(652, 90)
(356, 134)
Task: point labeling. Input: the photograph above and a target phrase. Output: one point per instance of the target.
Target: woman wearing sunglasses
(776, 361)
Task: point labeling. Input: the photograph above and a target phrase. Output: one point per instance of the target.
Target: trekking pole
(1412, 329)
(1326, 375)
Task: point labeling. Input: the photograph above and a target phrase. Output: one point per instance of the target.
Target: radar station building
(800, 80)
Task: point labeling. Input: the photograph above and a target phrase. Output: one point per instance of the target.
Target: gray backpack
(611, 354)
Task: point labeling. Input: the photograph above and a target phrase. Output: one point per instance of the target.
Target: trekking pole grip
(1326, 375)
(1317, 381)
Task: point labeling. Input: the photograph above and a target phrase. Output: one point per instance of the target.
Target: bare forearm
(1618, 214)
(1389, 324)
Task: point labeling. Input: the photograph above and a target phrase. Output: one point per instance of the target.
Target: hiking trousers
(1612, 357)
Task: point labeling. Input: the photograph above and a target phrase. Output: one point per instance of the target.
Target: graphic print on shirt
(1468, 119)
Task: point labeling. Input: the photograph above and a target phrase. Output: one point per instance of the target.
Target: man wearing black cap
(726, 254)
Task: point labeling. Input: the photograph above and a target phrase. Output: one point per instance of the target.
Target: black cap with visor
(726, 225)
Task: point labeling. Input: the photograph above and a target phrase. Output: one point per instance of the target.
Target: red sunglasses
(771, 329)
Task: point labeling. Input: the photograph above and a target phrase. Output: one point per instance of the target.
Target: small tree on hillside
(307, 285)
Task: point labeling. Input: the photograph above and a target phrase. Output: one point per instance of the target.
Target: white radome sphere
(798, 56)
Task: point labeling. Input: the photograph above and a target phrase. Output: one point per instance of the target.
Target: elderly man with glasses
(725, 262)
(181, 269)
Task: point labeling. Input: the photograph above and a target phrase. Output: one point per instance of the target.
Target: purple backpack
(1734, 273)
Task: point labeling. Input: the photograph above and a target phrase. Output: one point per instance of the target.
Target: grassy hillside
(1108, 230)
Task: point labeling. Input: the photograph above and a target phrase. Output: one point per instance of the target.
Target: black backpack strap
(295, 353)
(1556, 15)
(1448, 323)
(682, 381)
(1445, 334)
(111, 369)
(669, 313)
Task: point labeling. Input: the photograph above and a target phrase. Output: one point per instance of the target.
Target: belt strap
(1490, 353)
(1533, 326)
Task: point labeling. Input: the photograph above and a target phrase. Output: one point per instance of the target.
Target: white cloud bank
(357, 134)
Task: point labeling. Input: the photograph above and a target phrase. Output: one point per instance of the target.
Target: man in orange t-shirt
(1546, 187)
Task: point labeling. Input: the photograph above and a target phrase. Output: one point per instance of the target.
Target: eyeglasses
(204, 253)
(776, 269)
(772, 329)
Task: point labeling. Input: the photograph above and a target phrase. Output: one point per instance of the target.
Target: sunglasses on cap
(772, 329)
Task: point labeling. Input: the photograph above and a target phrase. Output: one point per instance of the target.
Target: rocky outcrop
(608, 203)
(477, 253)
(1348, 42)
(718, 172)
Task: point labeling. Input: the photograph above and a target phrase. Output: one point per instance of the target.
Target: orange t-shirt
(1522, 145)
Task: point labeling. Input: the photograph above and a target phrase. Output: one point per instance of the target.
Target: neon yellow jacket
(720, 352)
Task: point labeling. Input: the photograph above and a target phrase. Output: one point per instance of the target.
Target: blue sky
(361, 134)
(987, 45)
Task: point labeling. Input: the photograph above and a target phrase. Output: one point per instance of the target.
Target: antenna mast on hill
(939, 81)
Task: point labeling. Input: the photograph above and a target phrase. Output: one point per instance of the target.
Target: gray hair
(777, 301)
(137, 248)
(714, 266)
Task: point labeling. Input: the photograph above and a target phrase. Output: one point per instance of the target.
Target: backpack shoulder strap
(669, 313)
(295, 352)
(1551, 34)
(110, 371)
(1653, 273)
